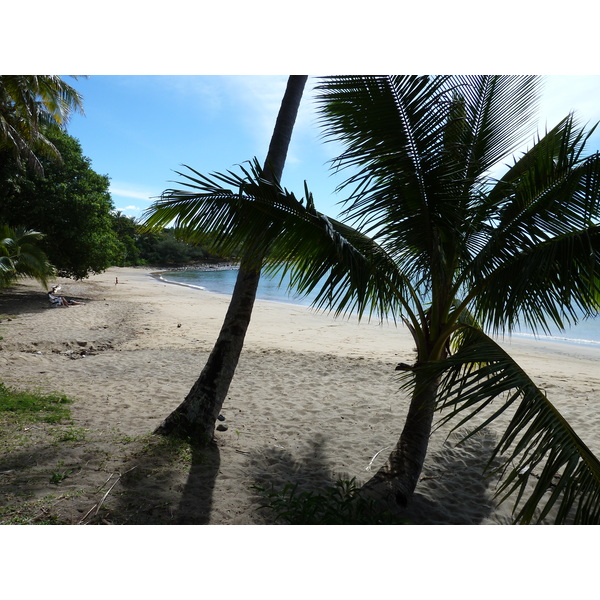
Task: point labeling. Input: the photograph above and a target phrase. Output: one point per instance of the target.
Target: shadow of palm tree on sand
(452, 490)
(155, 477)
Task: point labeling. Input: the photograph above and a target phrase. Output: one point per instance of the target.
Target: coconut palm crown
(20, 256)
(449, 232)
(27, 104)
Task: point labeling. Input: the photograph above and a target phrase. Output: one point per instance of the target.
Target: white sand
(313, 396)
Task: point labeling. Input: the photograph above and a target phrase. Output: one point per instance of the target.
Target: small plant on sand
(39, 511)
(336, 504)
(30, 406)
(61, 475)
(28, 513)
(174, 450)
(72, 434)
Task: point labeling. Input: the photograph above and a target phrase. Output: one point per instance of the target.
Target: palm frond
(422, 146)
(538, 450)
(21, 257)
(553, 284)
(500, 111)
(550, 189)
(536, 261)
(351, 272)
(391, 128)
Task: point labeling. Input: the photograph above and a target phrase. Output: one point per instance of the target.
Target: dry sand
(314, 398)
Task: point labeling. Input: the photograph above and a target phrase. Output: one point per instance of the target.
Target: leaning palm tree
(196, 416)
(438, 235)
(21, 257)
(27, 104)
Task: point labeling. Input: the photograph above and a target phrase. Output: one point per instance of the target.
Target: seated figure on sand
(60, 300)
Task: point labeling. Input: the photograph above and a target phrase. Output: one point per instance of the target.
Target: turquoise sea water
(586, 333)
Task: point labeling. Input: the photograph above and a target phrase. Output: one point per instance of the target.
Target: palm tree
(20, 256)
(27, 103)
(433, 238)
(196, 416)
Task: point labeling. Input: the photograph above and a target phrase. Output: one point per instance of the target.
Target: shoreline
(586, 348)
(313, 397)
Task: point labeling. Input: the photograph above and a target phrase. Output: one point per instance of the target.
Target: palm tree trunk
(197, 414)
(396, 480)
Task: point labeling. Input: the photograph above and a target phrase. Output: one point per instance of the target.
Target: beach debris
(178, 324)
(221, 418)
(99, 504)
(222, 427)
(368, 467)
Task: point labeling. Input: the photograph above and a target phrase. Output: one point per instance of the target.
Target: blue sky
(165, 86)
(140, 129)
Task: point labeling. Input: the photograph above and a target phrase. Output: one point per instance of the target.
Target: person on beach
(60, 300)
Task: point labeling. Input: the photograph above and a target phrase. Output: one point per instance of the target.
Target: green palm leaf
(27, 104)
(538, 445)
(351, 271)
(20, 256)
(539, 262)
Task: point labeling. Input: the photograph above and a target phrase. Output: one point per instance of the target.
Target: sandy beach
(314, 398)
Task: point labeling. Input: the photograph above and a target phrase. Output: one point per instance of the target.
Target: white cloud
(129, 211)
(124, 193)
(260, 98)
(255, 101)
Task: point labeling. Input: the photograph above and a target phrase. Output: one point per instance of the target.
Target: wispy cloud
(126, 193)
(256, 98)
(566, 93)
(260, 99)
(251, 102)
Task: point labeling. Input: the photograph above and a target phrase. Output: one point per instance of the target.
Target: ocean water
(223, 282)
(585, 333)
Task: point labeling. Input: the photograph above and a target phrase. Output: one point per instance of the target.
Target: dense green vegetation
(70, 203)
(140, 247)
(56, 212)
(29, 103)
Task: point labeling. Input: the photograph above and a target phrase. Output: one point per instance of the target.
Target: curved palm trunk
(197, 414)
(396, 481)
